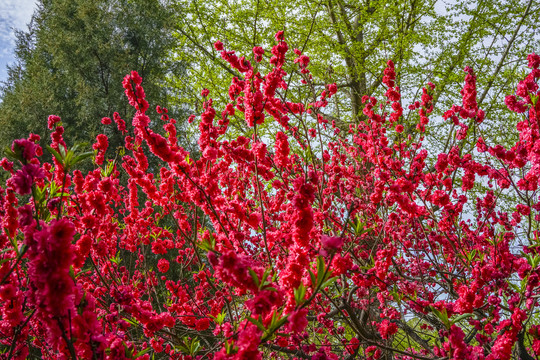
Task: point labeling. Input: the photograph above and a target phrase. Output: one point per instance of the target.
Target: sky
(14, 14)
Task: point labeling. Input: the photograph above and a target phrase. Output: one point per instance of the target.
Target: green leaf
(264, 281)
(313, 278)
(274, 318)
(275, 323)
(229, 347)
(76, 147)
(62, 151)
(329, 281)
(442, 315)
(132, 321)
(280, 322)
(320, 269)
(69, 157)
(254, 277)
(116, 259)
(514, 286)
(55, 153)
(534, 99)
(13, 241)
(83, 156)
(11, 155)
(108, 169)
(194, 347)
(220, 318)
(127, 350)
(142, 352)
(3, 251)
(523, 284)
(183, 348)
(461, 317)
(22, 249)
(536, 261)
(299, 294)
(359, 226)
(256, 323)
(6, 260)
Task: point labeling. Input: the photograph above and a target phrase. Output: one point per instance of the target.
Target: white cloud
(14, 14)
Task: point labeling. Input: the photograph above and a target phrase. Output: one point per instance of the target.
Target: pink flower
(263, 302)
(389, 74)
(120, 123)
(332, 89)
(24, 178)
(218, 45)
(534, 61)
(6, 165)
(101, 146)
(248, 343)
(25, 215)
(387, 328)
(440, 198)
(331, 244)
(163, 265)
(52, 120)
(442, 162)
(297, 321)
(258, 52)
(210, 153)
(523, 209)
(141, 120)
(514, 105)
(136, 78)
(202, 324)
(303, 61)
(25, 147)
(22, 182)
(502, 348)
(49, 268)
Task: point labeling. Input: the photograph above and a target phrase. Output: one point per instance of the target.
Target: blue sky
(13, 14)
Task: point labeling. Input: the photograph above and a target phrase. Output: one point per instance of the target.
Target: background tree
(349, 42)
(72, 59)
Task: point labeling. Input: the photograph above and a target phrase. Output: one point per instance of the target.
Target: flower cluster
(276, 244)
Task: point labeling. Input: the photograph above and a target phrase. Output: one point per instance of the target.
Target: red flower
(24, 178)
(387, 328)
(218, 45)
(163, 265)
(331, 244)
(202, 324)
(297, 321)
(52, 120)
(25, 147)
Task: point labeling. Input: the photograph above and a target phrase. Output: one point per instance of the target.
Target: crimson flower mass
(313, 242)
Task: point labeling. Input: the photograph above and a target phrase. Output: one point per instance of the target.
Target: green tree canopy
(72, 59)
(349, 42)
